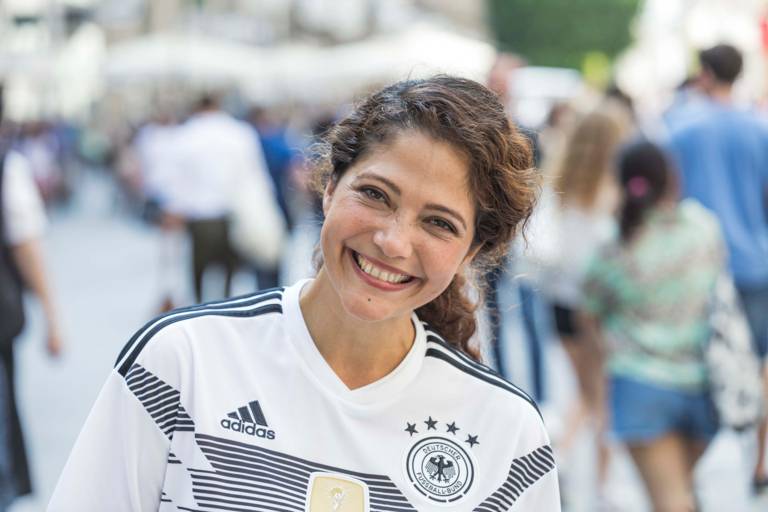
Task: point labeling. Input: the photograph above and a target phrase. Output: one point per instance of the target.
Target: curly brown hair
(503, 182)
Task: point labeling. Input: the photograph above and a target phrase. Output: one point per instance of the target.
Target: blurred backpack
(11, 300)
(733, 367)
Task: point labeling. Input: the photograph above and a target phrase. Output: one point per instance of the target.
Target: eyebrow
(452, 213)
(396, 190)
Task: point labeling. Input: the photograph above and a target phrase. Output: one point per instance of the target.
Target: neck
(359, 352)
(721, 93)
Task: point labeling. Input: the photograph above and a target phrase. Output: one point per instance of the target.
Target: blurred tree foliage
(561, 32)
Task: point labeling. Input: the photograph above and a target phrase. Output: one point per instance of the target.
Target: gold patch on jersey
(331, 492)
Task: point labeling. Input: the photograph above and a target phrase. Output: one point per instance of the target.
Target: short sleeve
(119, 460)
(23, 210)
(536, 471)
(531, 481)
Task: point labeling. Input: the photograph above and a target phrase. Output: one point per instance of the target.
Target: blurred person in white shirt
(214, 152)
(22, 223)
(154, 147)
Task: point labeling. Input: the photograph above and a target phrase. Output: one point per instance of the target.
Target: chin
(374, 311)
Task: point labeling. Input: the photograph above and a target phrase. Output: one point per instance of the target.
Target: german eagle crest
(440, 469)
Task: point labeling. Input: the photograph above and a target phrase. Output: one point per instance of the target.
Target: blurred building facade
(57, 58)
(38, 35)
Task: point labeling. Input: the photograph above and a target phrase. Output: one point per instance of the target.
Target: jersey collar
(384, 390)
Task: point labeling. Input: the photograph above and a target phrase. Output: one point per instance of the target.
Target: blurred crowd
(638, 223)
(640, 228)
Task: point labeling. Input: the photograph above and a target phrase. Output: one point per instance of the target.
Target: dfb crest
(440, 469)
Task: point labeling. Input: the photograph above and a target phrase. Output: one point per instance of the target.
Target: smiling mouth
(375, 272)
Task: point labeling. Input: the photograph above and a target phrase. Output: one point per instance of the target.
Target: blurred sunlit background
(83, 78)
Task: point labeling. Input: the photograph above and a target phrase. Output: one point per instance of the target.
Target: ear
(330, 188)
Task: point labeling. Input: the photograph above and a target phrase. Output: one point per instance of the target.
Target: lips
(380, 275)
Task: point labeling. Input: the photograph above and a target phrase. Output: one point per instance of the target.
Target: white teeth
(379, 274)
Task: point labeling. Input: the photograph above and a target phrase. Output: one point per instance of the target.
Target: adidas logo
(250, 420)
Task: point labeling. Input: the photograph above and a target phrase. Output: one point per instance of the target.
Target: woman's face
(398, 226)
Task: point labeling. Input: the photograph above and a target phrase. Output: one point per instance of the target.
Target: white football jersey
(230, 406)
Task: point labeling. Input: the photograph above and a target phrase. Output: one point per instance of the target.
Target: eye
(442, 224)
(374, 194)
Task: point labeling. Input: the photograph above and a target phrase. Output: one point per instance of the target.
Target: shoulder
(705, 116)
(695, 213)
(484, 379)
(23, 211)
(702, 220)
(758, 122)
(244, 132)
(162, 337)
(686, 133)
(16, 171)
(513, 425)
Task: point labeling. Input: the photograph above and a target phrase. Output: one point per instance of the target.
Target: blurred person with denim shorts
(648, 293)
(573, 219)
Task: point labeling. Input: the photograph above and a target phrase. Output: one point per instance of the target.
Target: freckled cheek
(355, 218)
(443, 264)
(345, 222)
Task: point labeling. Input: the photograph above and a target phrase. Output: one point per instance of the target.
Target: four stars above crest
(432, 424)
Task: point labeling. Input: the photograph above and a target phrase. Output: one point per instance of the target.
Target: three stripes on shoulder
(267, 301)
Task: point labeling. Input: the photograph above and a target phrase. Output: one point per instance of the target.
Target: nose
(394, 238)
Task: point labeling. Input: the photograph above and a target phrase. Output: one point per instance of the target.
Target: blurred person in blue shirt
(722, 155)
(281, 160)
(686, 104)
(279, 156)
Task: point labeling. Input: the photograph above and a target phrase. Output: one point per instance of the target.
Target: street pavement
(104, 269)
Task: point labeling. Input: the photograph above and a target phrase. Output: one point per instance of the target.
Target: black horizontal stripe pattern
(173, 459)
(161, 401)
(183, 421)
(442, 350)
(250, 478)
(232, 307)
(523, 473)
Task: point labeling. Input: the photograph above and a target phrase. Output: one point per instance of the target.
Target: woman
(649, 291)
(574, 219)
(355, 390)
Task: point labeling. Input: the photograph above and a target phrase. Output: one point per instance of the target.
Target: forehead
(421, 165)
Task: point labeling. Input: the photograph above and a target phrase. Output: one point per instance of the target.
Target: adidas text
(248, 428)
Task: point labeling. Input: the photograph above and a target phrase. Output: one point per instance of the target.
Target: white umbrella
(177, 56)
(322, 74)
(299, 71)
